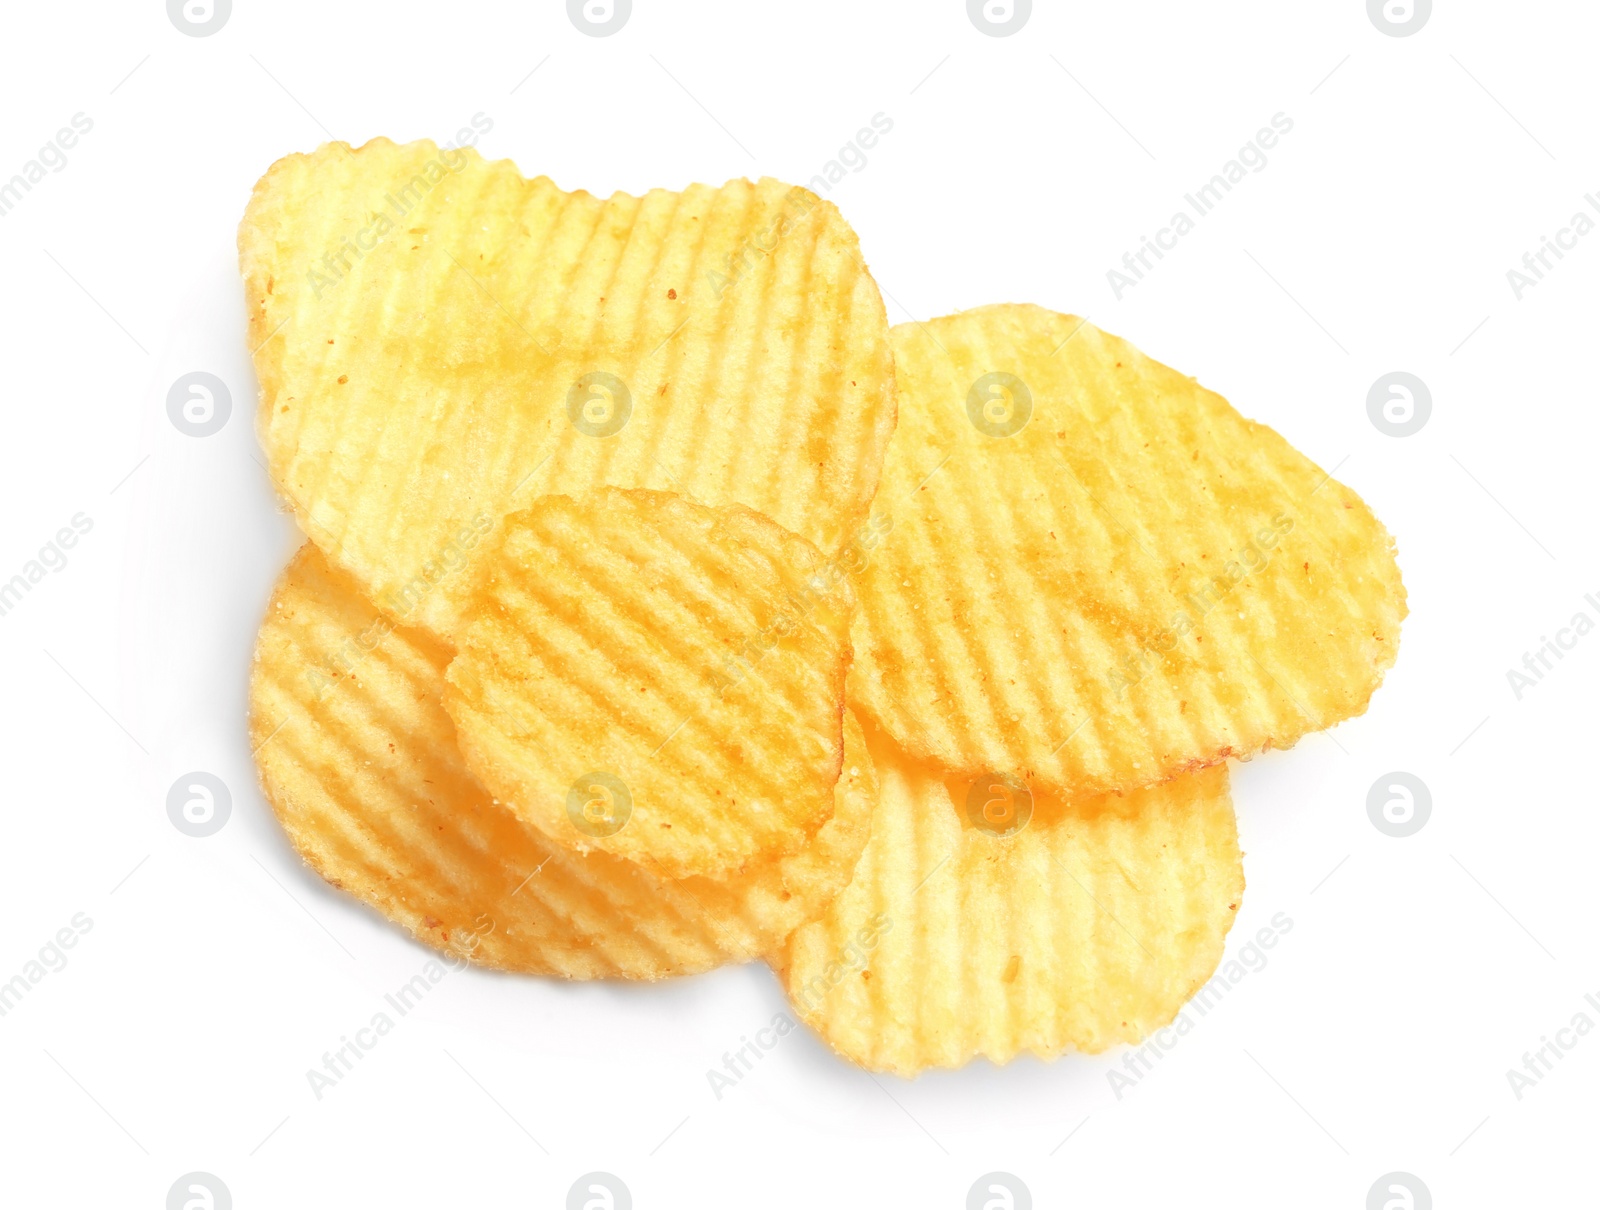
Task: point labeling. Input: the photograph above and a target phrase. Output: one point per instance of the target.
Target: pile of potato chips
(663, 607)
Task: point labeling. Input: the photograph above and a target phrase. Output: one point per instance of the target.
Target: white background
(1418, 970)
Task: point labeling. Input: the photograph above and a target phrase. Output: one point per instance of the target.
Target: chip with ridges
(984, 921)
(359, 762)
(673, 670)
(440, 341)
(1097, 574)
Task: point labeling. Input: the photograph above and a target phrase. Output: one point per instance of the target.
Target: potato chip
(359, 761)
(984, 920)
(440, 341)
(1096, 574)
(656, 679)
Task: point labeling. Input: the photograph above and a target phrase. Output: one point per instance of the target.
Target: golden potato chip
(359, 761)
(653, 678)
(983, 920)
(440, 341)
(1096, 574)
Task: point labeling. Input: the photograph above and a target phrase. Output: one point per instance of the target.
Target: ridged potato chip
(646, 676)
(983, 920)
(359, 762)
(1096, 574)
(440, 341)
